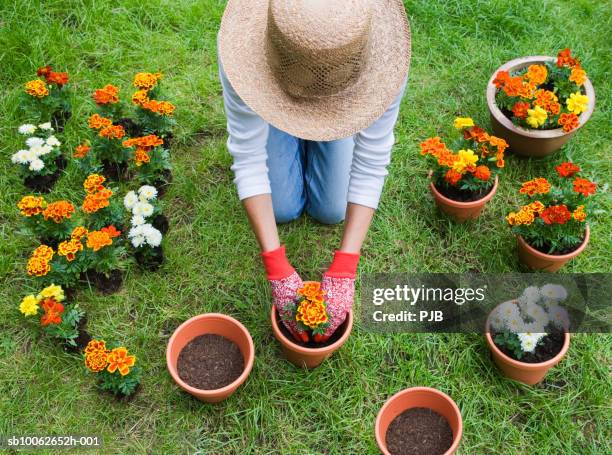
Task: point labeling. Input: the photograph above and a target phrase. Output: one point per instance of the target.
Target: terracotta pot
(462, 211)
(526, 142)
(218, 324)
(419, 397)
(304, 357)
(527, 373)
(537, 260)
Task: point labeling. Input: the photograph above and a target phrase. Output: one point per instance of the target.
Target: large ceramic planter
(536, 260)
(527, 373)
(306, 357)
(218, 324)
(527, 142)
(462, 211)
(419, 397)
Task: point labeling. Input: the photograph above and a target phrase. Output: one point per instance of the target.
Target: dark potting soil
(104, 284)
(456, 194)
(81, 340)
(59, 119)
(163, 183)
(151, 261)
(210, 362)
(311, 344)
(45, 183)
(123, 398)
(419, 431)
(132, 129)
(546, 349)
(168, 139)
(547, 246)
(160, 222)
(115, 171)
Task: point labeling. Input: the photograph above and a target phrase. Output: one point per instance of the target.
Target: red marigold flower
(501, 78)
(567, 169)
(53, 312)
(556, 214)
(58, 79)
(569, 121)
(482, 173)
(43, 70)
(109, 94)
(565, 58)
(584, 186)
(520, 109)
(111, 231)
(452, 177)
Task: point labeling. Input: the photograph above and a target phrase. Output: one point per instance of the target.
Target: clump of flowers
(520, 326)
(98, 203)
(310, 310)
(42, 151)
(47, 220)
(107, 139)
(150, 158)
(103, 253)
(145, 236)
(480, 157)
(47, 96)
(152, 114)
(544, 96)
(114, 367)
(554, 219)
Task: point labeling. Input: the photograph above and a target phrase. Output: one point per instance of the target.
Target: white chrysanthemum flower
(535, 312)
(30, 155)
(530, 295)
(34, 142)
(26, 128)
(130, 200)
(143, 208)
(559, 317)
(21, 157)
(46, 126)
(497, 321)
(533, 327)
(509, 310)
(137, 220)
(554, 292)
(53, 141)
(41, 150)
(138, 241)
(147, 192)
(37, 165)
(528, 342)
(154, 237)
(515, 324)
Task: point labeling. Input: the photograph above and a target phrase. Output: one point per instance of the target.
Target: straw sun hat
(316, 69)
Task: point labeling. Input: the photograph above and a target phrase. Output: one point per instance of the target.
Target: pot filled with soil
(462, 205)
(535, 259)
(210, 356)
(311, 354)
(150, 260)
(419, 421)
(106, 284)
(531, 142)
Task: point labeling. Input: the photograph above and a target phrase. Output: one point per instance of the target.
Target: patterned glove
(285, 282)
(339, 283)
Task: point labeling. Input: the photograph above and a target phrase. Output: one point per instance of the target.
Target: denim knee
(328, 213)
(286, 213)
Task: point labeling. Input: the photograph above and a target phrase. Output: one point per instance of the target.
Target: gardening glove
(339, 283)
(285, 282)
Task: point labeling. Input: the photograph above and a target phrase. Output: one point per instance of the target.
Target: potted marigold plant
(102, 209)
(530, 335)
(48, 98)
(152, 114)
(552, 228)
(464, 181)
(151, 161)
(114, 367)
(66, 324)
(106, 144)
(105, 259)
(42, 161)
(538, 103)
(49, 222)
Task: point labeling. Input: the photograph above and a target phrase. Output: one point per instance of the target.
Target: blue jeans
(308, 175)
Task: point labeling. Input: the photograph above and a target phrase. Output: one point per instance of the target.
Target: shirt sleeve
(372, 155)
(248, 135)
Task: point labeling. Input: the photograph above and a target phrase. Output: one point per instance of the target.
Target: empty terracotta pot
(304, 357)
(461, 211)
(527, 373)
(218, 324)
(419, 397)
(536, 260)
(526, 142)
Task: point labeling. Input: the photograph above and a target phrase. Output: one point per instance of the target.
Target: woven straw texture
(316, 69)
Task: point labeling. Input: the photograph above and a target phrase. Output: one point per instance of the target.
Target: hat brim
(242, 39)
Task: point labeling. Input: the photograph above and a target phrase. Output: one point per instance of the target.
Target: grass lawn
(213, 265)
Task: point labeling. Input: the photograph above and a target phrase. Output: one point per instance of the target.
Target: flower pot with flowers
(153, 115)
(42, 161)
(114, 367)
(50, 222)
(151, 161)
(102, 209)
(552, 228)
(64, 323)
(48, 98)
(538, 103)
(464, 181)
(106, 144)
(530, 335)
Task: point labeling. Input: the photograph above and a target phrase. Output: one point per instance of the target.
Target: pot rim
(517, 363)
(231, 386)
(456, 437)
(555, 257)
(535, 134)
(466, 205)
(310, 351)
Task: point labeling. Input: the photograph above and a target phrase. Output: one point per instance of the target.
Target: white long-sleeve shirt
(248, 135)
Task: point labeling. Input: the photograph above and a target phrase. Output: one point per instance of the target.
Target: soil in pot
(419, 431)
(160, 222)
(547, 246)
(456, 194)
(210, 362)
(546, 349)
(106, 285)
(81, 340)
(311, 344)
(59, 119)
(152, 260)
(115, 171)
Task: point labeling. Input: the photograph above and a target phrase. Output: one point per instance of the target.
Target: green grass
(212, 262)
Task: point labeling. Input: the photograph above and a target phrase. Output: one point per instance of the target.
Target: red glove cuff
(276, 264)
(344, 265)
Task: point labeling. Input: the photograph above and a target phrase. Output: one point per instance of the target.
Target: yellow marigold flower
(578, 76)
(36, 88)
(43, 252)
(93, 183)
(78, 233)
(69, 249)
(311, 314)
(96, 356)
(463, 122)
(536, 117)
(579, 214)
(31, 205)
(118, 359)
(536, 207)
(29, 306)
(38, 266)
(146, 81)
(140, 97)
(465, 159)
(52, 291)
(577, 103)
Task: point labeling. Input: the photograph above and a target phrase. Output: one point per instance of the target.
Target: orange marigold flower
(145, 142)
(112, 132)
(109, 94)
(111, 231)
(535, 206)
(535, 186)
(141, 156)
(536, 74)
(59, 79)
(520, 109)
(43, 252)
(97, 201)
(58, 211)
(432, 146)
(482, 173)
(564, 58)
(501, 78)
(310, 289)
(97, 122)
(579, 214)
(98, 239)
(159, 107)
(31, 205)
(140, 97)
(93, 183)
(43, 70)
(38, 266)
(96, 356)
(567, 169)
(311, 314)
(547, 100)
(556, 214)
(119, 360)
(81, 151)
(78, 233)
(69, 249)
(569, 121)
(514, 86)
(476, 133)
(578, 76)
(452, 177)
(36, 88)
(584, 186)
(53, 312)
(146, 81)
